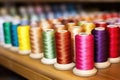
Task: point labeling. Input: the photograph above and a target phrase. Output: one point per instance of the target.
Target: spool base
(7, 45)
(14, 48)
(102, 64)
(114, 60)
(25, 52)
(36, 55)
(2, 44)
(84, 73)
(48, 61)
(64, 66)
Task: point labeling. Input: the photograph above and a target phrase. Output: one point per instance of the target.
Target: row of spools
(65, 42)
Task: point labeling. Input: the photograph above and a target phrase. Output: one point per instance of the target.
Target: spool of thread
(101, 47)
(101, 24)
(48, 47)
(14, 33)
(36, 42)
(14, 37)
(88, 27)
(7, 34)
(81, 23)
(84, 55)
(24, 39)
(60, 27)
(70, 26)
(44, 24)
(63, 50)
(4, 11)
(1, 32)
(74, 32)
(114, 43)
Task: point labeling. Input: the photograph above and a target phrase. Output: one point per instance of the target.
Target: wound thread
(63, 47)
(36, 40)
(100, 44)
(7, 32)
(114, 41)
(49, 43)
(24, 38)
(84, 51)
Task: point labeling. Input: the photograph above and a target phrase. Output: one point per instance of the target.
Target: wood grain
(28, 67)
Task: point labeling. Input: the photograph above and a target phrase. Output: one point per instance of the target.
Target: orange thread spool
(36, 42)
(75, 31)
(70, 26)
(63, 50)
(44, 24)
(60, 27)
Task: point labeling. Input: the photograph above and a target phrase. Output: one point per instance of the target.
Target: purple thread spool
(101, 47)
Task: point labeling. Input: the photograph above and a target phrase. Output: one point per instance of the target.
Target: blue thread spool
(14, 34)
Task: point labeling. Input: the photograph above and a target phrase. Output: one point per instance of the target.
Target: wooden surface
(59, 1)
(35, 70)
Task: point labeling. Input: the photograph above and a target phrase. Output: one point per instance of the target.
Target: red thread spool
(84, 55)
(114, 43)
(101, 24)
(63, 50)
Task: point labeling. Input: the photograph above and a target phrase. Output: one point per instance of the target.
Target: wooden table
(35, 70)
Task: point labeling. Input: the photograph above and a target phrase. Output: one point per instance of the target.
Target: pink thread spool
(84, 55)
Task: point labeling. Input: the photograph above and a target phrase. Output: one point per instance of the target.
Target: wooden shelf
(60, 1)
(35, 70)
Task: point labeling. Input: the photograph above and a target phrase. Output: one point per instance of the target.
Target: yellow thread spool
(24, 39)
(88, 27)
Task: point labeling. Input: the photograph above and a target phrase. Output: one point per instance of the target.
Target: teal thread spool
(49, 47)
(14, 33)
(7, 34)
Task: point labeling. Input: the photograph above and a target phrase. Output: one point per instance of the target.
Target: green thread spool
(49, 47)
(7, 34)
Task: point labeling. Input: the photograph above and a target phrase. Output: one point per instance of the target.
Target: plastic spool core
(48, 30)
(64, 66)
(111, 26)
(36, 55)
(48, 61)
(83, 34)
(24, 52)
(100, 28)
(114, 60)
(84, 73)
(14, 48)
(7, 45)
(59, 25)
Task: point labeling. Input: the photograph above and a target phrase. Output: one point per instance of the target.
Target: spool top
(83, 34)
(100, 28)
(59, 25)
(62, 31)
(48, 30)
(112, 26)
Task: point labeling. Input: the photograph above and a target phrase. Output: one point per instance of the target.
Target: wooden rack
(35, 70)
